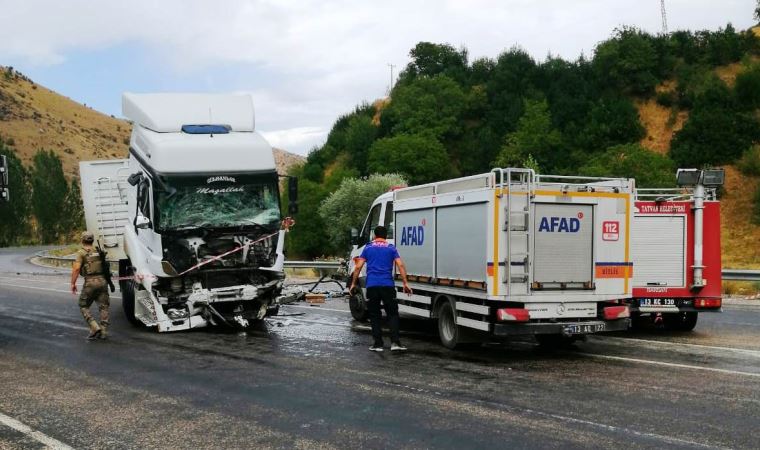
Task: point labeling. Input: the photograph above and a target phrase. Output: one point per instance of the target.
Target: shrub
(756, 207)
(749, 163)
(666, 98)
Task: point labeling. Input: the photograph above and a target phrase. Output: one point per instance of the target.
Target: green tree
(49, 193)
(717, 131)
(360, 134)
(14, 225)
(747, 87)
(611, 121)
(429, 60)
(348, 205)
(419, 158)
(632, 161)
(74, 221)
(628, 61)
(534, 137)
(426, 105)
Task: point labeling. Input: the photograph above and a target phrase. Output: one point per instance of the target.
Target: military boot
(103, 330)
(94, 330)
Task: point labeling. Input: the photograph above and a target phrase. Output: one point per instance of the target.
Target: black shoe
(376, 348)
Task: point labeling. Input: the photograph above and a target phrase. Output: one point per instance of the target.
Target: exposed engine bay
(234, 289)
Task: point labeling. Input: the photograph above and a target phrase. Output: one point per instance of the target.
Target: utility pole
(664, 17)
(390, 86)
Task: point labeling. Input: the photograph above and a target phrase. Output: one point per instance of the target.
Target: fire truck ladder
(518, 223)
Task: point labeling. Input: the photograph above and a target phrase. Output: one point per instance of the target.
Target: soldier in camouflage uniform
(95, 289)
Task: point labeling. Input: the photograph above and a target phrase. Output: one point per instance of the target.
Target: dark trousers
(386, 295)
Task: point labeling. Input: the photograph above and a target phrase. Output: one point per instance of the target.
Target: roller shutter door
(658, 250)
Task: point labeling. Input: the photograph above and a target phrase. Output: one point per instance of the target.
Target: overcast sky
(306, 62)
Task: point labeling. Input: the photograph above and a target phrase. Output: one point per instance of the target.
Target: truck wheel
(683, 321)
(358, 306)
(128, 293)
(639, 322)
(448, 330)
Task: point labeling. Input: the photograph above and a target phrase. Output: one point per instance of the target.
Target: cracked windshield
(219, 201)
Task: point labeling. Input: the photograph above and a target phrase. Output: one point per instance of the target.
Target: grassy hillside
(33, 117)
(738, 234)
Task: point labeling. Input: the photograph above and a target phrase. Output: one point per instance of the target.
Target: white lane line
(34, 434)
(668, 364)
(667, 344)
(113, 295)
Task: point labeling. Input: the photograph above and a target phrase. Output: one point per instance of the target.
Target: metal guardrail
(313, 265)
(741, 275)
(727, 274)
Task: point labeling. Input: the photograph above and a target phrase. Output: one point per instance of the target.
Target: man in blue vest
(380, 257)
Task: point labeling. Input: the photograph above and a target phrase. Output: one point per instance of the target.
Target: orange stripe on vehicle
(623, 271)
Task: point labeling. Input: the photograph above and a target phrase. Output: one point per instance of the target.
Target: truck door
(564, 249)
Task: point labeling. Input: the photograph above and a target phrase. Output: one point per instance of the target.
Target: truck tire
(682, 321)
(358, 306)
(449, 332)
(128, 293)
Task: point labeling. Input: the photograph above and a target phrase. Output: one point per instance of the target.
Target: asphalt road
(307, 380)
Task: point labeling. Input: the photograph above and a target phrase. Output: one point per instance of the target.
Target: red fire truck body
(667, 282)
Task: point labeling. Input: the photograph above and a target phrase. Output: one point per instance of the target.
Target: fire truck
(676, 251)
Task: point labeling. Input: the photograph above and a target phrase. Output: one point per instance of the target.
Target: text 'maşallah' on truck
(510, 253)
(676, 251)
(193, 215)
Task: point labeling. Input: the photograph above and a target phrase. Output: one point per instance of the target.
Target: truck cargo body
(513, 253)
(664, 258)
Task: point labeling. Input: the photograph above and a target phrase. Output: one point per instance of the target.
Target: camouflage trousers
(94, 290)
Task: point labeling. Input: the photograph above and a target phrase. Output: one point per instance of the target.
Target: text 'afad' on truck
(511, 253)
(193, 215)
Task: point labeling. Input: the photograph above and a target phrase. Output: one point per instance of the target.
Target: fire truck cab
(676, 251)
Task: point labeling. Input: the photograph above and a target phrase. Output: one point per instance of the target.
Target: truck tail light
(513, 315)
(616, 312)
(707, 303)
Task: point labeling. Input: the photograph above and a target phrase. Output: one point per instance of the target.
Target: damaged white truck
(193, 215)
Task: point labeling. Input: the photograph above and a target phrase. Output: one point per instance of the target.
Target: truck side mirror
(134, 178)
(142, 222)
(292, 195)
(354, 236)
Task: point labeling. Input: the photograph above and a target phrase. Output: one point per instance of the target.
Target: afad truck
(510, 253)
(676, 251)
(193, 215)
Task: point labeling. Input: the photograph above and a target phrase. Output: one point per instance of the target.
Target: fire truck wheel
(128, 293)
(358, 306)
(683, 321)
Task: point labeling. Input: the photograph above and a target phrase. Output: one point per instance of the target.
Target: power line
(664, 17)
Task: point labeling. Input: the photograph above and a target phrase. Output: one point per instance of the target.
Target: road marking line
(34, 434)
(668, 364)
(652, 341)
